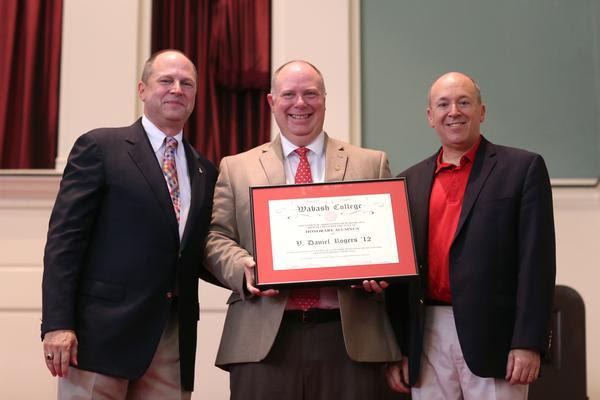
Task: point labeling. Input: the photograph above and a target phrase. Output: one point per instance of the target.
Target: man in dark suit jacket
(124, 250)
(484, 231)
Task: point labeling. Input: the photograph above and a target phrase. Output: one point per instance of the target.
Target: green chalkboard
(537, 63)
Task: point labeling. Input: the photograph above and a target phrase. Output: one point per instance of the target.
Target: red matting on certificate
(267, 276)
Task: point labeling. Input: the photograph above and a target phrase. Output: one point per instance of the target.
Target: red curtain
(230, 43)
(30, 39)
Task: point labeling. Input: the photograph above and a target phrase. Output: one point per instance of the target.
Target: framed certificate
(331, 233)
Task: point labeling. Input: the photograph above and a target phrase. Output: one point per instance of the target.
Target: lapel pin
(200, 170)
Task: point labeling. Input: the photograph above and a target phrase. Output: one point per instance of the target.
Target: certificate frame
(269, 271)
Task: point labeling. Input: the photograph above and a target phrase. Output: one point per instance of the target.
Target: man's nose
(300, 101)
(176, 87)
(453, 109)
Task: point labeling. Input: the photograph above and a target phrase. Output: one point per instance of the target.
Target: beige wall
(103, 46)
(335, 54)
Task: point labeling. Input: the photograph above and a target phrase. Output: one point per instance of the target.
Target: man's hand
(60, 348)
(523, 366)
(372, 286)
(249, 274)
(397, 376)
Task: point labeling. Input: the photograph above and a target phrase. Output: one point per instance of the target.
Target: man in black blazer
(477, 321)
(124, 250)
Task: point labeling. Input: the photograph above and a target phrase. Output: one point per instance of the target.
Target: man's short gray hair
(278, 70)
(147, 70)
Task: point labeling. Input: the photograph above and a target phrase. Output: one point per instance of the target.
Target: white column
(325, 34)
(104, 44)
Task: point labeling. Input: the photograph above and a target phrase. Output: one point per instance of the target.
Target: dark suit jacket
(113, 255)
(502, 260)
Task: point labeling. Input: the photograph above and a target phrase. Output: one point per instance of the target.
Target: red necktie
(303, 174)
(304, 298)
(170, 172)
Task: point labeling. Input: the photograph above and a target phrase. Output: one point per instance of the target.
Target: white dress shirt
(316, 159)
(157, 140)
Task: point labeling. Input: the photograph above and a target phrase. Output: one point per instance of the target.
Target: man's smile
(299, 116)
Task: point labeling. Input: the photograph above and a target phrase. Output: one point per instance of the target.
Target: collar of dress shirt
(156, 136)
(317, 146)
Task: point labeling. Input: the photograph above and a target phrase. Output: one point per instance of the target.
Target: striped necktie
(170, 172)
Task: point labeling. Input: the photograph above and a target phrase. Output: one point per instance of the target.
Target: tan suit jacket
(252, 322)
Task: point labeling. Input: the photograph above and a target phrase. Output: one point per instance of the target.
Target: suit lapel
(272, 161)
(419, 195)
(485, 161)
(197, 185)
(336, 160)
(142, 155)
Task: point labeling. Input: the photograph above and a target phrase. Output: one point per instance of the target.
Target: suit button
(169, 295)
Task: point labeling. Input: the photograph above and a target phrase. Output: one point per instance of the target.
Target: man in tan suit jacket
(271, 347)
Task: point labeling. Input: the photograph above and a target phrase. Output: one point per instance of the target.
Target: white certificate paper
(332, 231)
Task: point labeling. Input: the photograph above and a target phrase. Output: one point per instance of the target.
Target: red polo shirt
(445, 203)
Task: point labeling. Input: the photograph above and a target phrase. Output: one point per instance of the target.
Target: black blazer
(113, 255)
(502, 260)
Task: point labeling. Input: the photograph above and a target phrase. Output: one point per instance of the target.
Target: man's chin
(177, 116)
(301, 138)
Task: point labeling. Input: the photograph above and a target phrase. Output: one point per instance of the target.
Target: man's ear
(141, 90)
(270, 100)
(430, 117)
